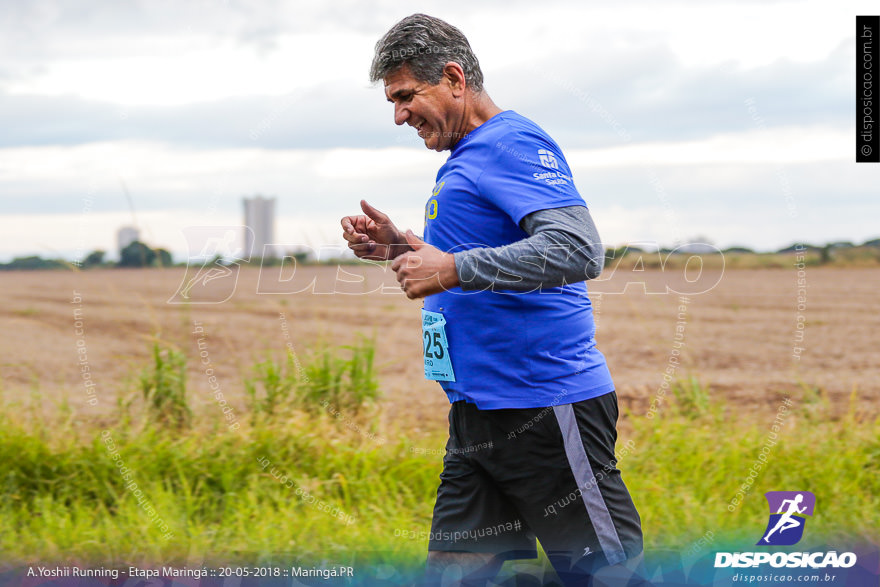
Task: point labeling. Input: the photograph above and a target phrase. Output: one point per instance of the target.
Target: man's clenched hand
(372, 235)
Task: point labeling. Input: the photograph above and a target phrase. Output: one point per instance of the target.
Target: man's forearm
(399, 247)
(563, 247)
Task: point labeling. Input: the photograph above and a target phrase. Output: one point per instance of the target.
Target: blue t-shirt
(510, 349)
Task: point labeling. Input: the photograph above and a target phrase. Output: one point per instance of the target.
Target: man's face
(432, 110)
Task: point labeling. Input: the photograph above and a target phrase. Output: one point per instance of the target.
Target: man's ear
(453, 74)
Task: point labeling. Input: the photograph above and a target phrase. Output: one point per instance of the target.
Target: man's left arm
(563, 248)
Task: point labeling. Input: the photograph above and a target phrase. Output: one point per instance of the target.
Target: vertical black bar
(867, 87)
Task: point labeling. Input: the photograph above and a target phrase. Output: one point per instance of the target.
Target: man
(507, 324)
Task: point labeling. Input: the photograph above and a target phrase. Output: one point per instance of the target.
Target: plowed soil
(737, 332)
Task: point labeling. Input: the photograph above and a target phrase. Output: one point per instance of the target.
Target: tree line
(136, 254)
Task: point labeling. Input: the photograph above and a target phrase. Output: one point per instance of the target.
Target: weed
(278, 382)
(347, 383)
(691, 397)
(163, 385)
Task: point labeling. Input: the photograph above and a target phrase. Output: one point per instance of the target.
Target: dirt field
(737, 332)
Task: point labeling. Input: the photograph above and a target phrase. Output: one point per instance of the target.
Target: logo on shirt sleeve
(547, 159)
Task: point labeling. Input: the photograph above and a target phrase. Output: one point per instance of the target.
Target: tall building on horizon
(125, 236)
(259, 216)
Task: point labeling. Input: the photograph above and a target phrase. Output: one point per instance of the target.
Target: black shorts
(513, 474)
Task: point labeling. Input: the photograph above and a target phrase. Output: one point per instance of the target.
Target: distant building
(125, 236)
(259, 216)
(699, 245)
(697, 248)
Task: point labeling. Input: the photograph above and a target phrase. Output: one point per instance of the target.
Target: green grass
(276, 382)
(163, 385)
(691, 461)
(222, 502)
(212, 491)
(346, 384)
(691, 398)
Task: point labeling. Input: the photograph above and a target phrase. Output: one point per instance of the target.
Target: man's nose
(400, 114)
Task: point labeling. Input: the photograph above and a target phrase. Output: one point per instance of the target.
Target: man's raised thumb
(373, 213)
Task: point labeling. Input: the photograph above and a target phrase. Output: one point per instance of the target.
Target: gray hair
(425, 44)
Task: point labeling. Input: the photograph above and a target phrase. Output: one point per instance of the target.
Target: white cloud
(778, 145)
(223, 69)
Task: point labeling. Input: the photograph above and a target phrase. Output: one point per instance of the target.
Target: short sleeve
(526, 172)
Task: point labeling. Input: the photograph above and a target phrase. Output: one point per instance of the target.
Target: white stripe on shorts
(586, 481)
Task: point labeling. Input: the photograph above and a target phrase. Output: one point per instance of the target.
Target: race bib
(438, 366)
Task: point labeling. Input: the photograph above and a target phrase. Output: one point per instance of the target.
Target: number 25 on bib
(438, 366)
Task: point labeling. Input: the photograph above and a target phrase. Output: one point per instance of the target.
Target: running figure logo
(787, 517)
(215, 265)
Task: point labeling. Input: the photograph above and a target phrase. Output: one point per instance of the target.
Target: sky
(727, 122)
